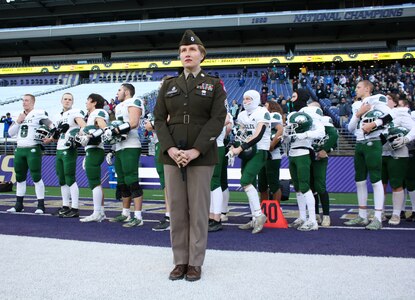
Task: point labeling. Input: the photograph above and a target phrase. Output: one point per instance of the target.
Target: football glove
(109, 157)
(82, 139)
(231, 158)
(399, 142)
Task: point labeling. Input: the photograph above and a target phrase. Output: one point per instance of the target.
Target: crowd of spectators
(339, 87)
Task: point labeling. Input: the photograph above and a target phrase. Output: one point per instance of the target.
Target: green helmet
(298, 122)
(241, 136)
(114, 138)
(371, 116)
(394, 133)
(318, 144)
(89, 129)
(71, 143)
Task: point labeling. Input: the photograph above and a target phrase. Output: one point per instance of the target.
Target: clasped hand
(183, 157)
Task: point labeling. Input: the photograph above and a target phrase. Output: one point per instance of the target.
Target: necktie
(190, 82)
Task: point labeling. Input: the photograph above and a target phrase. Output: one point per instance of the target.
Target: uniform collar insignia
(173, 90)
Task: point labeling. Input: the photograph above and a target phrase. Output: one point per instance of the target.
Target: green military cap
(189, 38)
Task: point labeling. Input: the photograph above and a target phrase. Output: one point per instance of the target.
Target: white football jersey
(301, 147)
(377, 102)
(276, 119)
(97, 114)
(222, 135)
(27, 129)
(68, 117)
(121, 114)
(401, 118)
(250, 123)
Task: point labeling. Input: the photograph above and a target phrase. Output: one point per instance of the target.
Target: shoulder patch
(82, 112)
(383, 99)
(276, 117)
(101, 114)
(137, 102)
(267, 116)
(46, 113)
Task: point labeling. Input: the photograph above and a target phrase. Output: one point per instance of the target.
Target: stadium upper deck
(106, 27)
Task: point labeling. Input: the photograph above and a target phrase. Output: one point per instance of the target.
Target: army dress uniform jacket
(196, 117)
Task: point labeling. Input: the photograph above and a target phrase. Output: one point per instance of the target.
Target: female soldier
(195, 103)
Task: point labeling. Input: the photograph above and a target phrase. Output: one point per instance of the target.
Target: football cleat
(374, 225)
(121, 218)
(40, 210)
(15, 209)
(163, 225)
(134, 222)
(326, 221)
(308, 226)
(215, 226)
(95, 217)
(73, 213)
(297, 223)
(259, 223)
(357, 221)
(394, 220)
(246, 226)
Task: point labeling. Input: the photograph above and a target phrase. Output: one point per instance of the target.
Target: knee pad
(136, 190)
(125, 190)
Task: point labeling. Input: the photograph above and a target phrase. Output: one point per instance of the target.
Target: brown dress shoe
(178, 272)
(193, 273)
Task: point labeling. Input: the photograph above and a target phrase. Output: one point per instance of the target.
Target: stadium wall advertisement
(340, 173)
(217, 62)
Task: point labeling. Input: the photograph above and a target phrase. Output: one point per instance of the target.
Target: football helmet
(298, 122)
(109, 137)
(41, 133)
(310, 110)
(243, 135)
(371, 116)
(71, 142)
(318, 144)
(88, 131)
(393, 134)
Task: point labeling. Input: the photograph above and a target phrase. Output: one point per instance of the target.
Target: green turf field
(335, 198)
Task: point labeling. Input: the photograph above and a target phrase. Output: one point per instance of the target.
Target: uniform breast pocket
(203, 98)
(204, 93)
(173, 100)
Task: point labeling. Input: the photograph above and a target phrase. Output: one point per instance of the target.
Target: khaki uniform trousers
(189, 203)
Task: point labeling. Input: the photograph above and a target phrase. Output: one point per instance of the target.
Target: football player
(372, 115)
(30, 128)
(255, 122)
(299, 133)
(395, 155)
(164, 223)
(216, 193)
(321, 149)
(127, 153)
(90, 138)
(410, 174)
(69, 120)
(268, 178)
